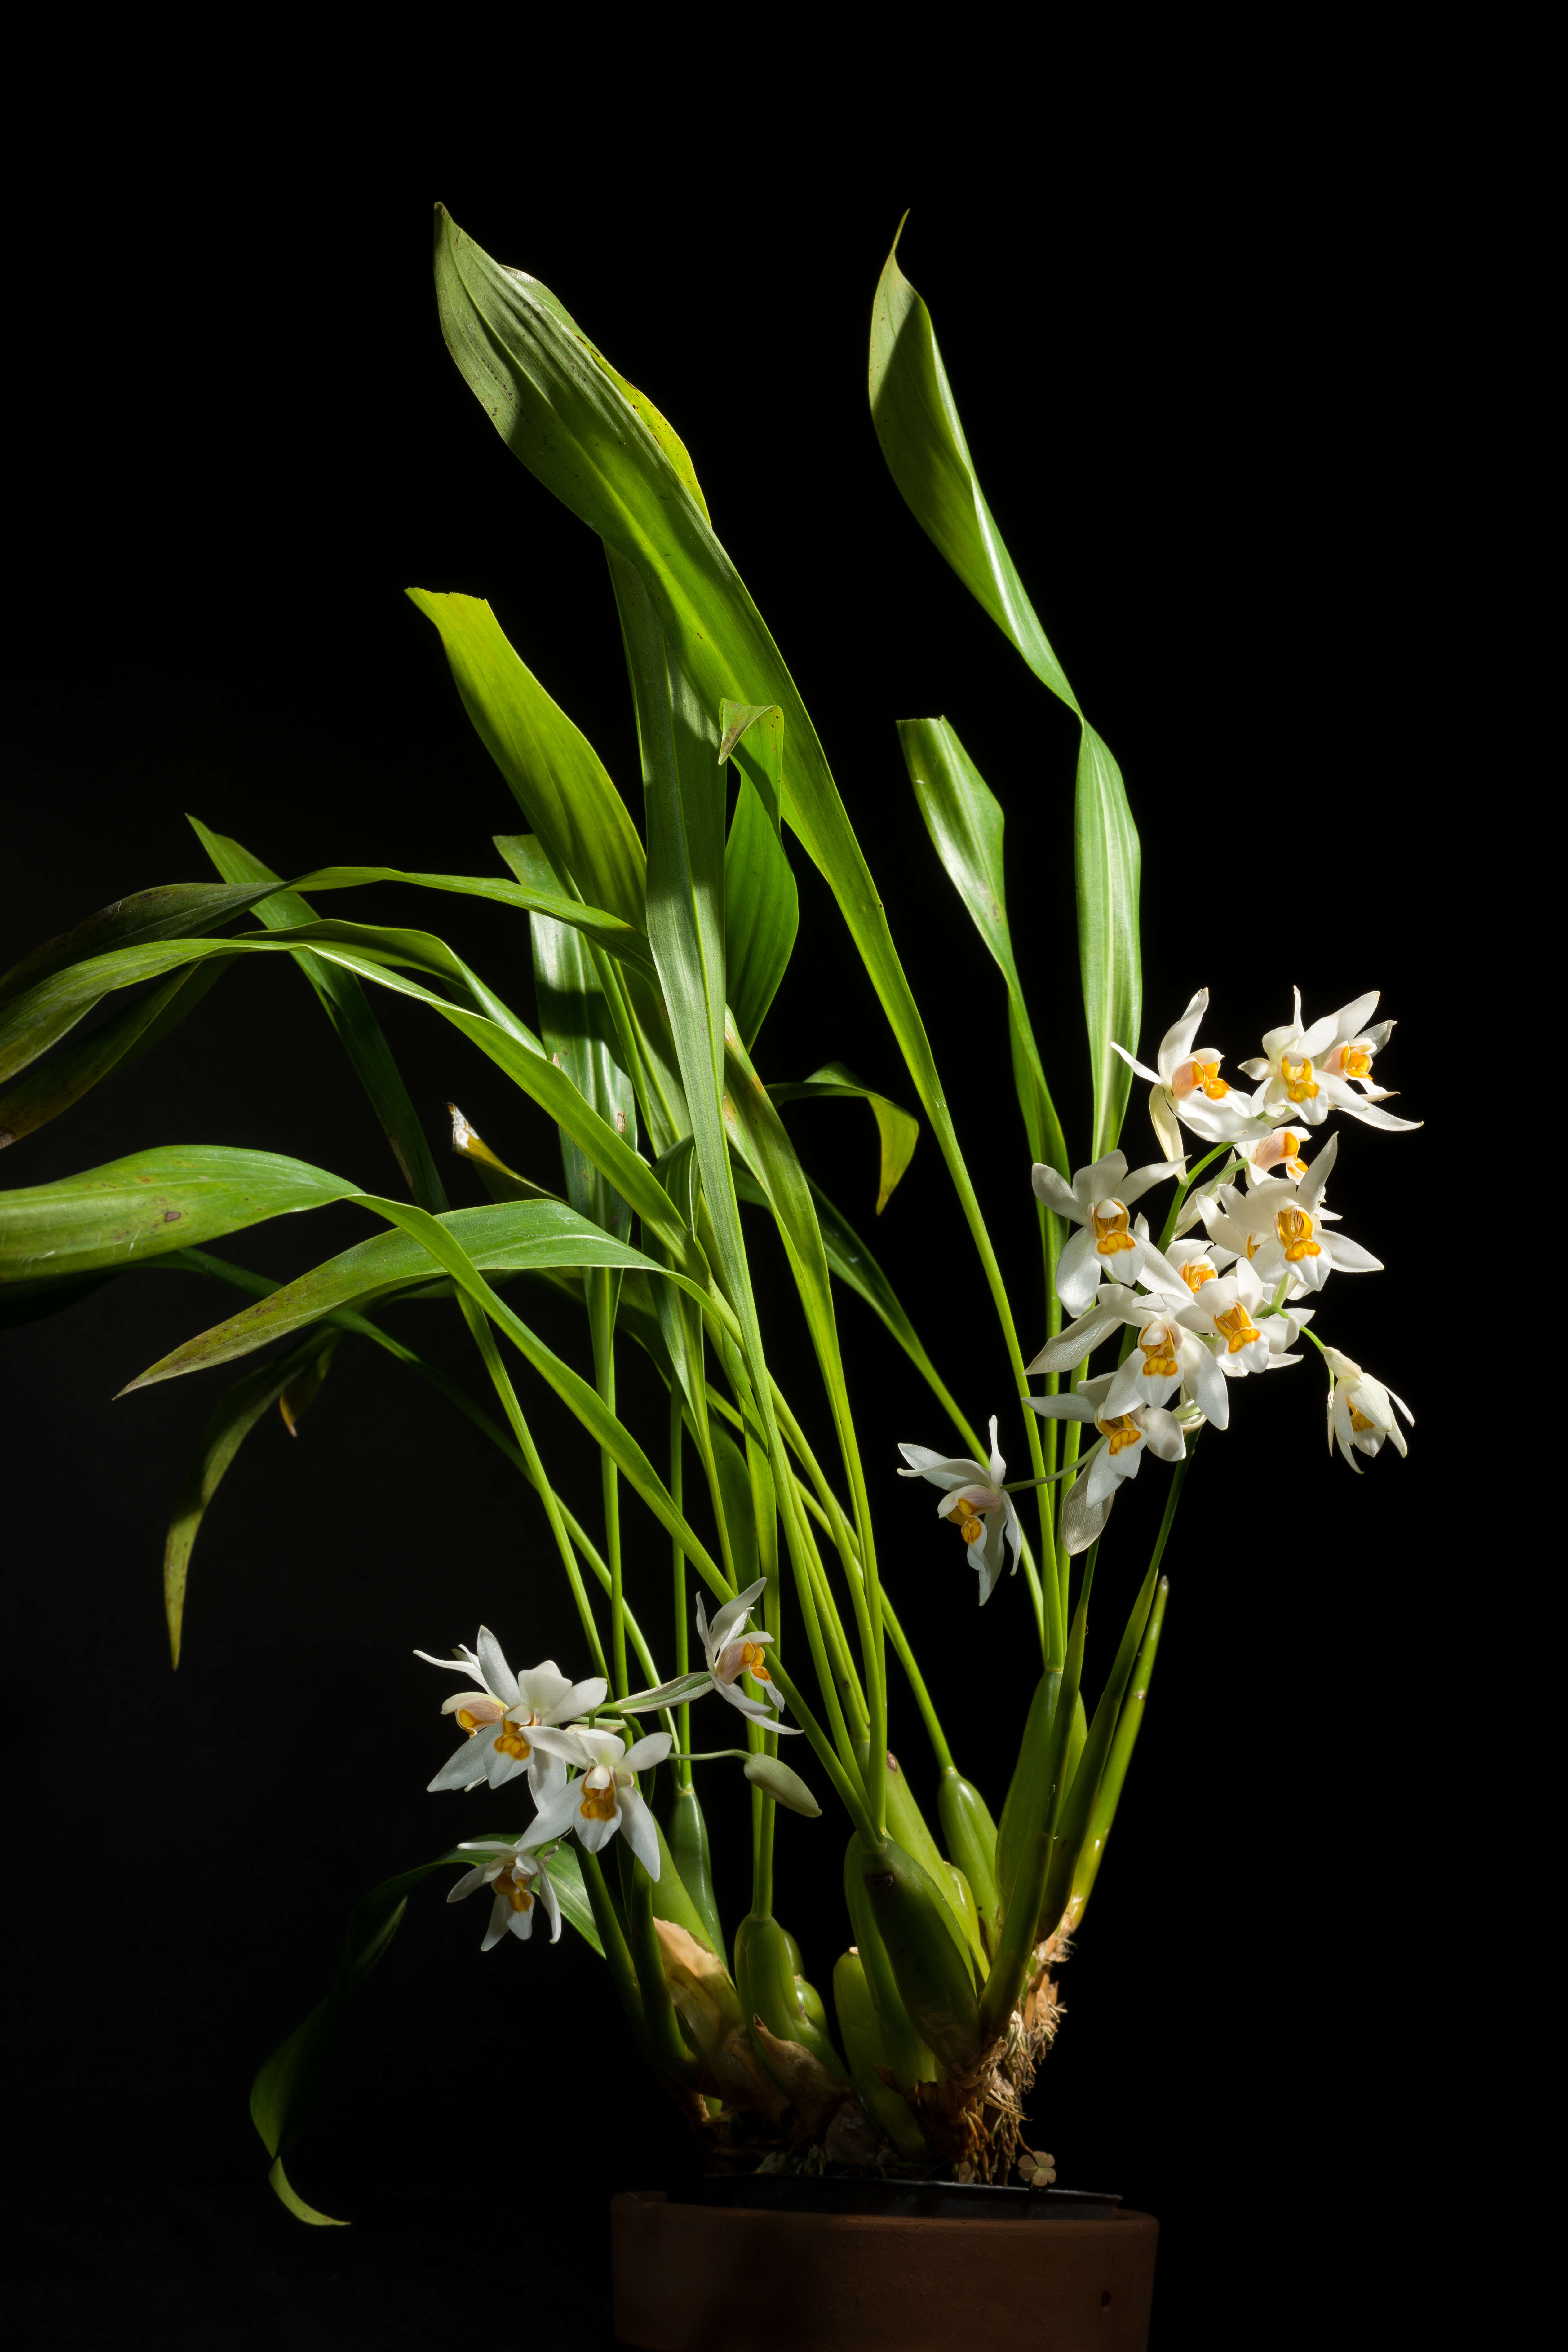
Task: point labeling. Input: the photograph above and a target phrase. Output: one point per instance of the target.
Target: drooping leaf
(237, 1412)
(964, 821)
(1106, 861)
(49, 1087)
(917, 424)
(508, 1238)
(561, 412)
(898, 1130)
(170, 1198)
(555, 775)
(343, 1001)
(288, 2086)
(175, 910)
(623, 940)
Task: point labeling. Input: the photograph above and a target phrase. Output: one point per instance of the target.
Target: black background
(1220, 416)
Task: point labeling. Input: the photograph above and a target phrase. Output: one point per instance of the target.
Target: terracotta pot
(727, 2278)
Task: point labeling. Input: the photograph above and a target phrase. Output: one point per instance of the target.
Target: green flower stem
(847, 1678)
(600, 1284)
(846, 1781)
(479, 1323)
(677, 1571)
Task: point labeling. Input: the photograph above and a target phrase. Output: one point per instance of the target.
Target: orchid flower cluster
(1192, 1317)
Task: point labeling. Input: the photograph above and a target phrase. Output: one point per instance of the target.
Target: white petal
(1077, 1271)
(499, 1675)
(1081, 1519)
(636, 1827)
(652, 1748)
(577, 1698)
(467, 1664)
(1134, 1186)
(1062, 1408)
(555, 1818)
(1164, 1434)
(1133, 1063)
(462, 1770)
(1176, 1045)
(466, 1884)
(1050, 1189)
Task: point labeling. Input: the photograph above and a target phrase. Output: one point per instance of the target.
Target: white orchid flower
(1186, 1086)
(1282, 1153)
(517, 1880)
(603, 1798)
(1198, 1262)
(1229, 1313)
(1168, 1355)
(1360, 1410)
(731, 1652)
(1283, 1232)
(1118, 1450)
(1105, 1243)
(1298, 1081)
(500, 1719)
(974, 1501)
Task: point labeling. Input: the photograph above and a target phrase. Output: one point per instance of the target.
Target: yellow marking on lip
(1294, 1227)
(1300, 1086)
(1110, 1233)
(1238, 1329)
(1121, 1433)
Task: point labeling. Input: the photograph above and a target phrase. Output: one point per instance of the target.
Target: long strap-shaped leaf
(561, 409)
(917, 425)
(167, 1199)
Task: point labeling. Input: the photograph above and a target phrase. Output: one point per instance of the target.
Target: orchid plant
(656, 956)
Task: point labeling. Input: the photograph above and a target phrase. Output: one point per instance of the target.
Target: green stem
(678, 1569)
(478, 1323)
(617, 1958)
(846, 1783)
(922, 1698)
(602, 1285)
(1186, 1186)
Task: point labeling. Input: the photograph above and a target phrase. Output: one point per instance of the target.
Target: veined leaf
(287, 2088)
(343, 1001)
(237, 1415)
(176, 910)
(854, 1265)
(579, 1036)
(623, 940)
(964, 821)
(917, 424)
(761, 905)
(556, 776)
(561, 413)
(171, 1198)
(50, 1087)
(898, 1130)
(524, 1236)
(1105, 858)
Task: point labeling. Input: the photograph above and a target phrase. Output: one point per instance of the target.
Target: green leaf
(761, 915)
(288, 2086)
(964, 821)
(556, 776)
(50, 1087)
(560, 411)
(619, 939)
(284, 1381)
(917, 424)
(898, 1130)
(167, 1199)
(176, 910)
(343, 1001)
(854, 1265)
(578, 1033)
(1106, 861)
(510, 1238)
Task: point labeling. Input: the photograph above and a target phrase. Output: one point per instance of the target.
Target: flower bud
(784, 1787)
